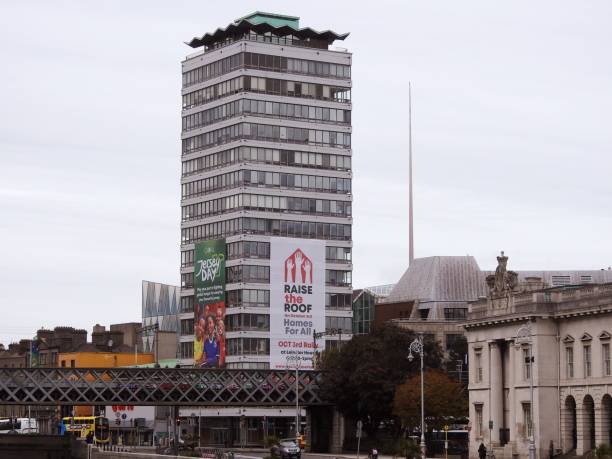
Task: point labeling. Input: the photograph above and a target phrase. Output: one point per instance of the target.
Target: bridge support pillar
(337, 433)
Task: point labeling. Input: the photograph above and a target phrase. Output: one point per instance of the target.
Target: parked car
(286, 449)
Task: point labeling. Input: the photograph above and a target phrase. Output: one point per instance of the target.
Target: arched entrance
(588, 430)
(570, 436)
(606, 418)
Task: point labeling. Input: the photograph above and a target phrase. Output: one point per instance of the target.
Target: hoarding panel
(297, 300)
(209, 304)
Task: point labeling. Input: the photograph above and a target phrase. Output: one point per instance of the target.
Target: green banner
(209, 304)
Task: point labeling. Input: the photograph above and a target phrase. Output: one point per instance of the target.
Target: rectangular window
(605, 357)
(478, 366)
(587, 361)
(527, 420)
(569, 362)
(478, 426)
(526, 364)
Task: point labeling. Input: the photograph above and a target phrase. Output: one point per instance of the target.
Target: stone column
(581, 441)
(512, 379)
(308, 433)
(337, 434)
(496, 387)
(601, 428)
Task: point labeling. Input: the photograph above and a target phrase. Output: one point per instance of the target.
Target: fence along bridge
(156, 386)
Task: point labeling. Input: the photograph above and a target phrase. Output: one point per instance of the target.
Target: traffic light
(178, 421)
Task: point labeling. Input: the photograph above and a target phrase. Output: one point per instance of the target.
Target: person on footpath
(482, 451)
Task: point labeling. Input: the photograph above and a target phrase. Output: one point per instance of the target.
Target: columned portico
(560, 386)
(497, 391)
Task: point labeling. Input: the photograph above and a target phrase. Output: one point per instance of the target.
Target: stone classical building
(563, 350)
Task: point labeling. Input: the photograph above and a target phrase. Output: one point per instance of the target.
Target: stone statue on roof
(503, 281)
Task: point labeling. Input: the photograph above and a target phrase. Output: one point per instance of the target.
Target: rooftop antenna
(410, 203)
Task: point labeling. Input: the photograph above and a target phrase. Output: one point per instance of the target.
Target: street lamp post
(296, 358)
(417, 347)
(525, 338)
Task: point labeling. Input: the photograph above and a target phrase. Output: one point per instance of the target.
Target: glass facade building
(265, 152)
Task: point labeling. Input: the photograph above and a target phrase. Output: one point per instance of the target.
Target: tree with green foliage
(445, 397)
(361, 377)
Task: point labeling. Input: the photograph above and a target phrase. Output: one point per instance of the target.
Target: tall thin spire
(410, 202)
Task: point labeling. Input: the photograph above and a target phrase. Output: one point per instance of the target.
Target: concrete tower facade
(265, 152)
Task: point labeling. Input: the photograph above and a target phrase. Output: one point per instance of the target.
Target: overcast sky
(511, 128)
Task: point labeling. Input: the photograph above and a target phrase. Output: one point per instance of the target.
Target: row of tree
(370, 379)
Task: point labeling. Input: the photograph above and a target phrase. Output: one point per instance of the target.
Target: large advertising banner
(209, 304)
(297, 301)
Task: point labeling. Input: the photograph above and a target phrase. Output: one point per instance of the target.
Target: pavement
(260, 453)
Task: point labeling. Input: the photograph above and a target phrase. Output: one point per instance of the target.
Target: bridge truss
(156, 386)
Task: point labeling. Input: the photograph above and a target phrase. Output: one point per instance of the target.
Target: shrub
(603, 451)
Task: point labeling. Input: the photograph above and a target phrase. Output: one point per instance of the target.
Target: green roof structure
(265, 23)
(273, 19)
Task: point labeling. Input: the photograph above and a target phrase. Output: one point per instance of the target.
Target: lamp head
(410, 357)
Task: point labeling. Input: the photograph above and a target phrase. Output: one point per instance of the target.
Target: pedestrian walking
(482, 451)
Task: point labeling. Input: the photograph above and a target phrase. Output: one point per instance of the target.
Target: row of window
(186, 352)
(587, 364)
(266, 227)
(265, 62)
(247, 346)
(267, 109)
(248, 249)
(268, 37)
(268, 133)
(256, 249)
(237, 322)
(266, 86)
(246, 273)
(261, 274)
(587, 360)
(301, 66)
(248, 298)
(261, 299)
(265, 179)
(455, 313)
(266, 203)
(266, 156)
(213, 70)
(187, 326)
(527, 427)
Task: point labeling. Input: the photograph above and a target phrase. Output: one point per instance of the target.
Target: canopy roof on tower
(262, 23)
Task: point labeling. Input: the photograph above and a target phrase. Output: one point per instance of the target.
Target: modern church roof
(455, 279)
(276, 24)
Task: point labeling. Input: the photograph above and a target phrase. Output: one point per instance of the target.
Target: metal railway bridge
(157, 386)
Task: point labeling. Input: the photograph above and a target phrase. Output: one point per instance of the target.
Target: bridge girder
(156, 386)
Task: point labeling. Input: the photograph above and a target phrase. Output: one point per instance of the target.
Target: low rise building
(556, 339)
